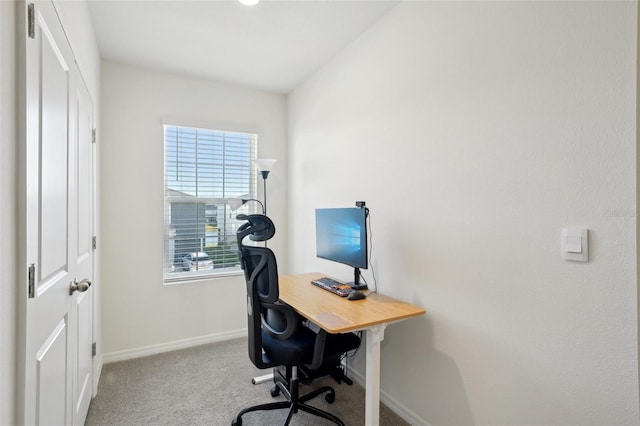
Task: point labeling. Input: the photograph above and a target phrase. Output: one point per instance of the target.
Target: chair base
(293, 408)
(294, 403)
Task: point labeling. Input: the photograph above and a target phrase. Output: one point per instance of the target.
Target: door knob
(81, 286)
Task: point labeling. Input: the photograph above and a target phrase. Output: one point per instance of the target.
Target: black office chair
(278, 336)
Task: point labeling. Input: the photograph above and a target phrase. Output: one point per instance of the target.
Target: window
(203, 168)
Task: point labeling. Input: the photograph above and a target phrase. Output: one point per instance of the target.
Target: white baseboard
(401, 410)
(171, 346)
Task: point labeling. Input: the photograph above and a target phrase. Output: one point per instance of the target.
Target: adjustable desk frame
(336, 314)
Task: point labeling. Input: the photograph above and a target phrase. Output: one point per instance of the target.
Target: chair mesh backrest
(261, 277)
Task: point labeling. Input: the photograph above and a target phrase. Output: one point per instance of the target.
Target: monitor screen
(341, 236)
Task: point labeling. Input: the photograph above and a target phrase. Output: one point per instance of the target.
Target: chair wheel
(275, 391)
(236, 422)
(330, 397)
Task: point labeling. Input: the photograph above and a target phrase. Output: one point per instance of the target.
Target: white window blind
(203, 168)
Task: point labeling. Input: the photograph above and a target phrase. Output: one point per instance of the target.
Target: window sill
(191, 278)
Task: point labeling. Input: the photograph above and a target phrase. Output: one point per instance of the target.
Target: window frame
(227, 238)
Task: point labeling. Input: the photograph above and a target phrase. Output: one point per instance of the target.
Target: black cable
(373, 272)
(347, 355)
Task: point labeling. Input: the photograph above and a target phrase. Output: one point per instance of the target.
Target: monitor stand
(356, 284)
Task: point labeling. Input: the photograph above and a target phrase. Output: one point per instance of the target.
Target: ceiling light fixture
(249, 2)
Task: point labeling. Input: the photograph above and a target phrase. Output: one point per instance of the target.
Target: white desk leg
(375, 335)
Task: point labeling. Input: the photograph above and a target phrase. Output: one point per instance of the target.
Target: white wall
(76, 20)
(475, 131)
(7, 214)
(138, 310)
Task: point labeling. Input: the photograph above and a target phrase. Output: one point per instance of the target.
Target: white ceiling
(272, 46)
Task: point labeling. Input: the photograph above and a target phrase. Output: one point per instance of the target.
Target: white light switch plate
(574, 244)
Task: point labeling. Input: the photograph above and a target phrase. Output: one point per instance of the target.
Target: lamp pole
(264, 189)
(264, 167)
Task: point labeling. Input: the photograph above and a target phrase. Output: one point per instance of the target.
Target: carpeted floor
(208, 385)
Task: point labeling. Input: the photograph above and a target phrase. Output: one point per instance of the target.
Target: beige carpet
(208, 385)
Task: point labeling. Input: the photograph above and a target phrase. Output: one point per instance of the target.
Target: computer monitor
(341, 236)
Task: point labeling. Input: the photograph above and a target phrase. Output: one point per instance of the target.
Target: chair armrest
(318, 347)
(289, 316)
(318, 350)
(311, 326)
(328, 346)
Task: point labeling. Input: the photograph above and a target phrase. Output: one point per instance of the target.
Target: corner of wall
(638, 186)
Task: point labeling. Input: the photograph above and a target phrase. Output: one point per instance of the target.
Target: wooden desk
(336, 314)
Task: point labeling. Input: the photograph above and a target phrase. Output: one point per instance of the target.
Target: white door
(81, 120)
(55, 356)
